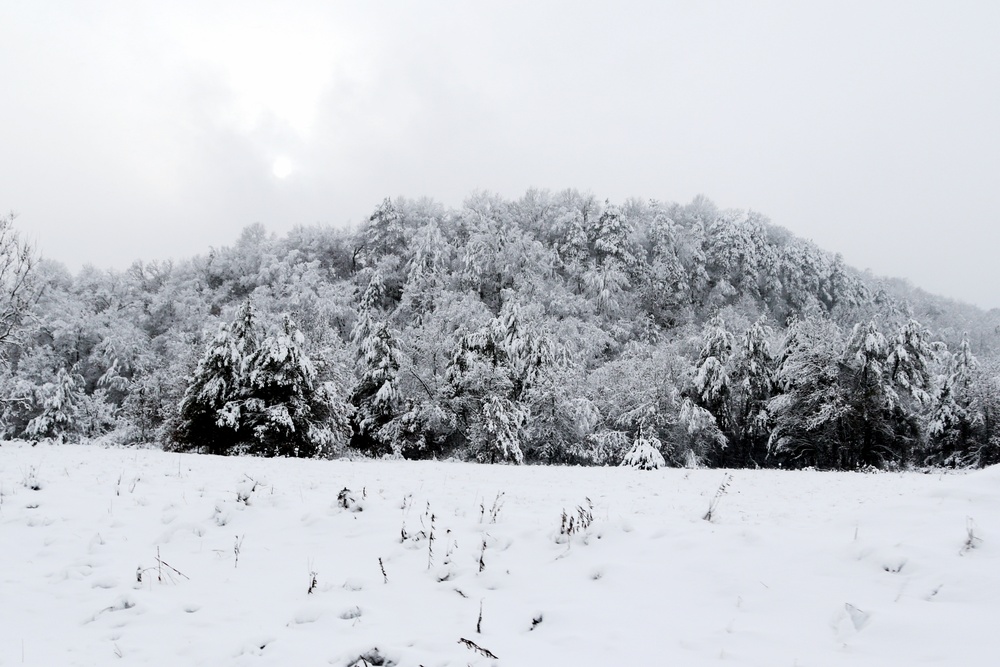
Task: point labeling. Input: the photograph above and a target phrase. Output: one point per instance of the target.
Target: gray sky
(138, 129)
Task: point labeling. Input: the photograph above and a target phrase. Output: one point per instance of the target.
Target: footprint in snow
(858, 617)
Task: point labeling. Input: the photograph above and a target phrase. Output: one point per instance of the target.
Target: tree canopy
(553, 328)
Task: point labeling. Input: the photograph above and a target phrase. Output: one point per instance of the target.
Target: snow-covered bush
(645, 453)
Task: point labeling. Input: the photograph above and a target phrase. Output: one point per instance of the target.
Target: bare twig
(430, 545)
(473, 646)
(497, 506)
(169, 566)
(971, 539)
(721, 491)
(312, 582)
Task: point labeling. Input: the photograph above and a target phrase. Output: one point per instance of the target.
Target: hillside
(552, 329)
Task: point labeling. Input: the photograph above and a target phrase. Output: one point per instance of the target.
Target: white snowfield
(140, 557)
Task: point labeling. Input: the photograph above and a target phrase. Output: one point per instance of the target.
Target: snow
(796, 568)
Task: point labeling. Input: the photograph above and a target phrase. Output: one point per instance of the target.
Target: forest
(551, 329)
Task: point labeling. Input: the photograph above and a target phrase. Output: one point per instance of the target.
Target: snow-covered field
(123, 556)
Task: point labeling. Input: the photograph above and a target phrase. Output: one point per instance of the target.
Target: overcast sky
(150, 130)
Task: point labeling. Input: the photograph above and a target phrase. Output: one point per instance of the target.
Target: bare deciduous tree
(18, 288)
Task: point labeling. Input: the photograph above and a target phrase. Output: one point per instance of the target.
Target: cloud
(146, 129)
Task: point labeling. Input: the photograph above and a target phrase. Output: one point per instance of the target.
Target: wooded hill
(555, 328)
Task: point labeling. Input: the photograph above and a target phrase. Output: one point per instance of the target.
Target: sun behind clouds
(282, 168)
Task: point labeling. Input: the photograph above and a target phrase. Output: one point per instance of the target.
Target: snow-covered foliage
(260, 396)
(645, 453)
(60, 404)
(556, 326)
(375, 396)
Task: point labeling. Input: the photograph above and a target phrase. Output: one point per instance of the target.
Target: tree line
(554, 328)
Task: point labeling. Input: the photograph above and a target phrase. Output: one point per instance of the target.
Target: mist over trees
(555, 328)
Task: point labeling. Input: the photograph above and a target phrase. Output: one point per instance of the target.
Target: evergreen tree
(375, 396)
(59, 408)
(645, 453)
(610, 240)
(811, 409)
(499, 433)
(261, 397)
(286, 410)
(754, 385)
(210, 409)
(712, 384)
(384, 234)
(663, 290)
(878, 431)
(491, 374)
(957, 423)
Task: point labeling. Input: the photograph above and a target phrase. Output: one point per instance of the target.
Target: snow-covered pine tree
(210, 410)
(712, 384)
(375, 396)
(491, 374)
(384, 234)
(752, 382)
(810, 413)
(286, 412)
(610, 237)
(955, 425)
(58, 415)
(909, 360)
(252, 396)
(874, 433)
(502, 427)
(700, 433)
(664, 292)
(645, 453)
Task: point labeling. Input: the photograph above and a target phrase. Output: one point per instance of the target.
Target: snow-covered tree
(645, 453)
(664, 291)
(811, 409)
(491, 373)
(753, 384)
(610, 238)
(877, 429)
(375, 395)
(384, 234)
(286, 410)
(259, 396)
(59, 408)
(19, 287)
(564, 418)
(500, 431)
(963, 413)
(712, 386)
(209, 411)
(909, 361)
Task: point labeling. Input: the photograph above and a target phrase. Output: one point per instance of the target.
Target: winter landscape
(405, 444)
(137, 556)
(499, 334)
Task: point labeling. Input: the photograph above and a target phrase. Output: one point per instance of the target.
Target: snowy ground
(796, 568)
